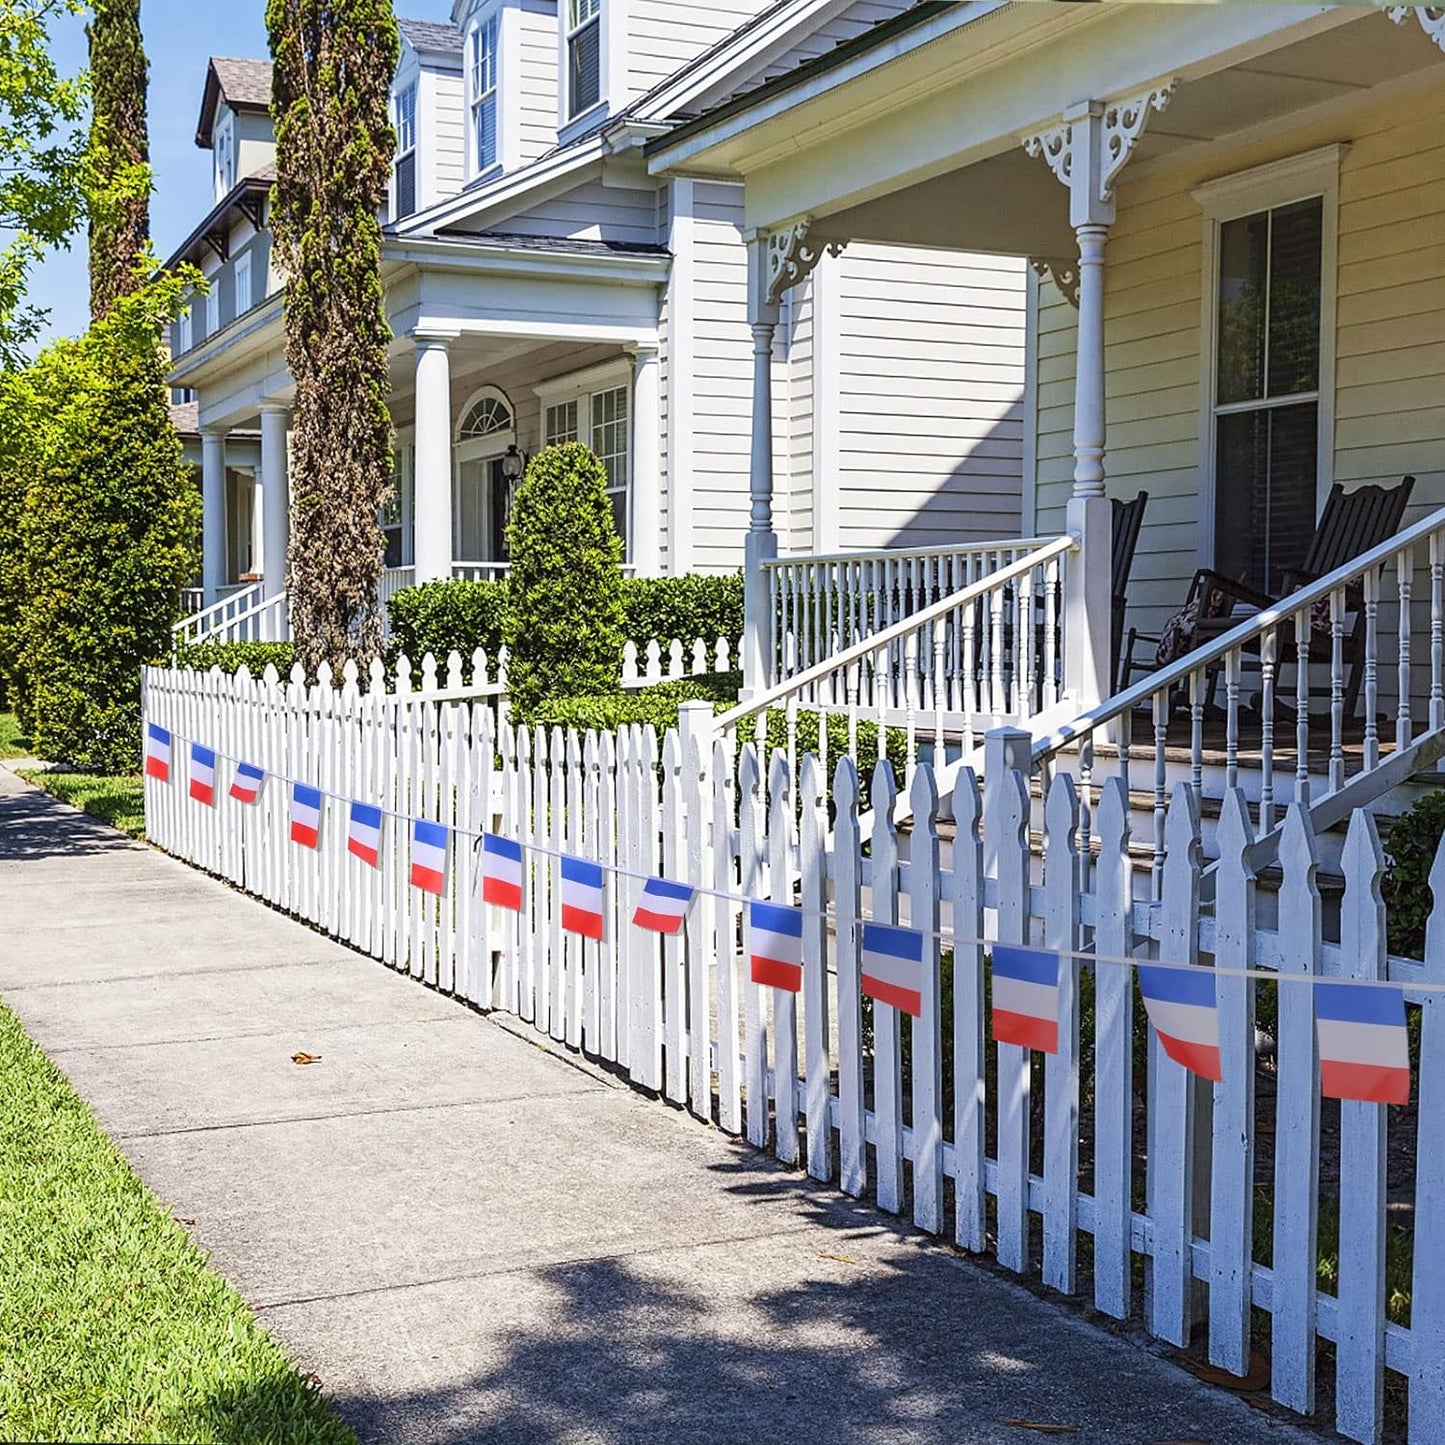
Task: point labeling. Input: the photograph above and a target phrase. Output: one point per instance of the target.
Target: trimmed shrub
(232, 656)
(109, 530)
(442, 617)
(684, 607)
(563, 622)
(1410, 849)
(647, 707)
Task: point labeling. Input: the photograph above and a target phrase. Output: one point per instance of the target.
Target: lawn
(13, 743)
(114, 1326)
(119, 801)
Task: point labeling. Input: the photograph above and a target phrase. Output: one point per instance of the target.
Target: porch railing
(209, 623)
(1201, 714)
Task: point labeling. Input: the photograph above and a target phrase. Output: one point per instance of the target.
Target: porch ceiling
(997, 198)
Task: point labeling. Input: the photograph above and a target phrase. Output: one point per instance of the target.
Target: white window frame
(213, 307)
(224, 142)
(413, 89)
(184, 331)
(1303, 177)
(243, 271)
(611, 18)
(493, 18)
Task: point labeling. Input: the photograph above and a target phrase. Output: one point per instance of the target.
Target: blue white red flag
(502, 872)
(663, 905)
(1026, 998)
(893, 966)
(1184, 1010)
(203, 775)
(158, 752)
(305, 815)
(582, 884)
(246, 785)
(428, 855)
(1364, 1048)
(363, 833)
(775, 944)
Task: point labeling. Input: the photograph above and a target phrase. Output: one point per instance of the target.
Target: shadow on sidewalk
(36, 826)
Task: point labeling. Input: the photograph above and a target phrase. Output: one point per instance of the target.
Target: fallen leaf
(841, 1258)
(179, 1219)
(1042, 1428)
(305, 1058)
(1256, 1379)
(312, 1379)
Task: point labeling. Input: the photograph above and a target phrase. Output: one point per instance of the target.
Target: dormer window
(482, 80)
(225, 158)
(405, 165)
(584, 55)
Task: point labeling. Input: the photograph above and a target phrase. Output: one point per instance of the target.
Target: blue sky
(180, 35)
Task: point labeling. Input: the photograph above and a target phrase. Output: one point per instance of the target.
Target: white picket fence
(682, 1017)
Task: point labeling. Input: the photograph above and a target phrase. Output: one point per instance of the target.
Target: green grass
(118, 801)
(13, 743)
(114, 1326)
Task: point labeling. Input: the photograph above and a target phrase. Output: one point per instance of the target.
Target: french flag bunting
(363, 833)
(582, 897)
(158, 752)
(893, 966)
(203, 775)
(305, 815)
(1364, 1048)
(502, 872)
(663, 905)
(1026, 998)
(246, 785)
(428, 855)
(1184, 1010)
(775, 945)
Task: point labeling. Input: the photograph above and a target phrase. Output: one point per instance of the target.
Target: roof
(431, 35)
(186, 418)
(244, 85)
(247, 197)
(563, 244)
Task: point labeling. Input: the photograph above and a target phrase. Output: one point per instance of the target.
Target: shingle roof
(244, 82)
(431, 35)
(567, 245)
(186, 418)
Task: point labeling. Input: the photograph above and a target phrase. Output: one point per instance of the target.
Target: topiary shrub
(442, 617)
(232, 656)
(563, 623)
(1410, 848)
(683, 607)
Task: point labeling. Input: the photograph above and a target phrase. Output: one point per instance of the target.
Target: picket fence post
(755, 1029)
(848, 909)
(726, 914)
(785, 1003)
(925, 913)
(813, 876)
(887, 1074)
(968, 1015)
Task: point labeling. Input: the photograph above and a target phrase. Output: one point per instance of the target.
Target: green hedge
(1410, 848)
(231, 656)
(683, 607)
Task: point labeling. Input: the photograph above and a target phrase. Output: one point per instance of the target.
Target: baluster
(853, 683)
(910, 685)
(1302, 706)
(1437, 631)
(996, 613)
(970, 668)
(880, 693)
(939, 630)
(1267, 645)
(1405, 581)
(1161, 787)
(1196, 732)
(1337, 689)
(1024, 652)
(1052, 579)
(1372, 681)
(1231, 719)
(1086, 809)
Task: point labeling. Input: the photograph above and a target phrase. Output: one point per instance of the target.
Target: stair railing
(207, 624)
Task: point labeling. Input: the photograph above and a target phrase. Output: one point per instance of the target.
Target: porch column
(761, 543)
(213, 514)
(645, 535)
(275, 498)
(432, 485)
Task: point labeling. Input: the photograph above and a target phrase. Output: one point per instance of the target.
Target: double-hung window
(405, 165)
(483, 68)
(600, 419)
(244, 300)
(584, 55)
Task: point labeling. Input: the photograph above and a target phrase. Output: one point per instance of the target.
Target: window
(244, 295)
(405, 168)
(600, 418)
(561, 424)
(397, 509)
(183, 332)
(584, 55)
(483, 85)
(487, 417)
(213, 307)
(225, 158)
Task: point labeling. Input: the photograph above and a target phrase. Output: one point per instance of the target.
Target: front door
(481, 511)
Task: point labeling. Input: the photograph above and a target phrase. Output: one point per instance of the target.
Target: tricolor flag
(158, 753)
(581, 897)
(663, 905)
(428, 855)
(1364, 1049)
(1026, 998)
(893, 966)
(502, 872)
(203, 775)
(775, 944)
(246, 785)
(363, 833)
(1182, 1006)
(305, 815)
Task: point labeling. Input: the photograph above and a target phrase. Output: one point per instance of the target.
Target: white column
(276, 498)
(681, 353)
(432, 486)
(213, 514)
(645, 540)
(761, 544)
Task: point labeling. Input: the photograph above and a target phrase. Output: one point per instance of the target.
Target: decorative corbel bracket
(791, 259)
(1431, 18)
(1064, 275)
(1090, 146)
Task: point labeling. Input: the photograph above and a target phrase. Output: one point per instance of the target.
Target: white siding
(931, 386)
(591, 212)
(665, 35)
(448, 133)
(794, 505)
(536, 94)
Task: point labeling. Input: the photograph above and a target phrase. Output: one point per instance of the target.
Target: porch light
(514, 463)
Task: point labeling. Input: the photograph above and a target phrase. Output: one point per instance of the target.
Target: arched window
(488, 414)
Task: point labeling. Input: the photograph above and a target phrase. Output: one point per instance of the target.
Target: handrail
(1123, 703)
(902, 554)
(197, 622)
(871, 646)
(255, 611)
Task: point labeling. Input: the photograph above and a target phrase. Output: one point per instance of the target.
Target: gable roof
(434, 36)
(244, 85)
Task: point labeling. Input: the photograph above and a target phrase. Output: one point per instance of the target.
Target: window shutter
(406, 185)
(585, 82)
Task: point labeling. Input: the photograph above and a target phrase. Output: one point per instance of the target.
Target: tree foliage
(334, 62)
(119, 153)
(109, 524)
(563, 624)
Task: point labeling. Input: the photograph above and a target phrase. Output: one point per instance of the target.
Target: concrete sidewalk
(468, 1237)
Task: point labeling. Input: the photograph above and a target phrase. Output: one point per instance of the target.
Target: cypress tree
(120, 153)
(334, 63)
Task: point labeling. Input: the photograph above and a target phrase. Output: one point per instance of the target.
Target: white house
(543, 285)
